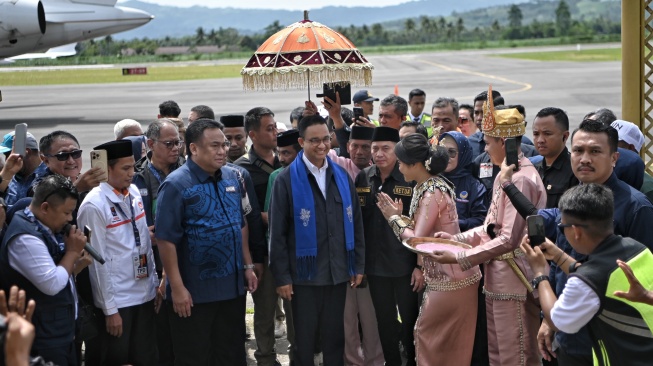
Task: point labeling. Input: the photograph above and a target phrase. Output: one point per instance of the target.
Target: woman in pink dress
(444, 332)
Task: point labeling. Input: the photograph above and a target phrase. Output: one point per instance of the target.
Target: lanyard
(155, 173)
(48, 236)
(137, 236)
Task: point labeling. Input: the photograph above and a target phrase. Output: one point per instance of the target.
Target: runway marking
(525, 86)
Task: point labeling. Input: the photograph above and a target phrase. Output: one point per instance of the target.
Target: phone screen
(20, 137)
(536, 232)
(512, 153)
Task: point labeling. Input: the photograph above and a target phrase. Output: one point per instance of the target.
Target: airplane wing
(96, 2)
(61, 51)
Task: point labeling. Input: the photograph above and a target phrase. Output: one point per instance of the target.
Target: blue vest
(54, 316)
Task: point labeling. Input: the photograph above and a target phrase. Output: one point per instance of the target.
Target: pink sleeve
(431, 209)
(512, 227)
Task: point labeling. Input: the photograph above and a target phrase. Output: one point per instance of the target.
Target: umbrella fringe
(296, 77)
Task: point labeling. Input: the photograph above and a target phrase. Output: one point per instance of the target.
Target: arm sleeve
(342, 135)
(519, 201)
(510, 233)
(101, 281)
(576, 306)
(280, 223)
(29, 256)
(640, 227)
(257, 245)
(169, 227)
(426, 216)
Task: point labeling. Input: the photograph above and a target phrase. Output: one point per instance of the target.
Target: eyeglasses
(452, 153)
(464, 119)
(171, 144)
(562, 226)
(316, 141)
(65, 155)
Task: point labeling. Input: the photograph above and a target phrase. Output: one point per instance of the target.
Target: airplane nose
(135, 15)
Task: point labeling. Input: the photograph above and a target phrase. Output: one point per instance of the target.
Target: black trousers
(480, 353)
(567, 359)
(137, 344)
(214, 334)
(163, 337)
(388, 294)
(318, 315)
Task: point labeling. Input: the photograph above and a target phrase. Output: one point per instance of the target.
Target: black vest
(54, 316)
(620, 336)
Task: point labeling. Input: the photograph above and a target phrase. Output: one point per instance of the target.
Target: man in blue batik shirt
(202, 240)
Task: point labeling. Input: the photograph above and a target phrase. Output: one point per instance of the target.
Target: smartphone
(99, 159)
(87, 233)
(512, 153)
(20, 139)
(358, 112)
(342, 87)
(536, 234)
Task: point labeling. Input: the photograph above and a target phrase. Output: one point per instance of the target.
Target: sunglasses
(65, 155)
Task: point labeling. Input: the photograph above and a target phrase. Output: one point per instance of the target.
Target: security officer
(392, 270)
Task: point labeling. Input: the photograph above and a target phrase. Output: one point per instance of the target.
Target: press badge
(486, 170)
(140, 266)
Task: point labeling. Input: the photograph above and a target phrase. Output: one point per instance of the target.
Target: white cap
(629, 133)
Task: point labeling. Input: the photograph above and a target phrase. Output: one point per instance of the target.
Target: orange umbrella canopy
(305, 53)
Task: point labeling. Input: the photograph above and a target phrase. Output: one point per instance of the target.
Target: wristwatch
(421, 268)
(248, 266)
(536, 281)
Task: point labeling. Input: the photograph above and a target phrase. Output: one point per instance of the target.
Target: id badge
(486, 170)
(140, 266)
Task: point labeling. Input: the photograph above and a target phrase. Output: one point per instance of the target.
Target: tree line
(422, 30)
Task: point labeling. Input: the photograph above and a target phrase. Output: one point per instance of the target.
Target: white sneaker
(279, 329)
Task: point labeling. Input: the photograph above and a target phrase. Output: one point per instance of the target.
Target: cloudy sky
(283, 4)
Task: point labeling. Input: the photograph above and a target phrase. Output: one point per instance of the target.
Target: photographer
(36, 257)
(619, 328)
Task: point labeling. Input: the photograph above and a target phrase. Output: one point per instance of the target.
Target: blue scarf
(304, 217)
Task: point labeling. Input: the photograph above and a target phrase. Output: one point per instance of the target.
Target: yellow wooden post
(632, 64)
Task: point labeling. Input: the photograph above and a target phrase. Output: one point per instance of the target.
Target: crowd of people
(185, 219)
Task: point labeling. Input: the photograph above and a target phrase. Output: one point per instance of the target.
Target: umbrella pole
(308, 78)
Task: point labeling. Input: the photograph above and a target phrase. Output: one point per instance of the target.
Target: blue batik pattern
(213, 227)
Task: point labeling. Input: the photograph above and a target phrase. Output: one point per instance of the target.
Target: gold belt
(510, 259)
(453, 285)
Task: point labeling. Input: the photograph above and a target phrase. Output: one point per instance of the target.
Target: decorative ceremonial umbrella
(305, 53)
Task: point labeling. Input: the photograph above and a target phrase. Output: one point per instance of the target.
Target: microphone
(89, 248)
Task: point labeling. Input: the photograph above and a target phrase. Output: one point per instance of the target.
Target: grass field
(607, 54)
(114, 75)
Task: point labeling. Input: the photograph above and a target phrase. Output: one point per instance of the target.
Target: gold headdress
(503, 122)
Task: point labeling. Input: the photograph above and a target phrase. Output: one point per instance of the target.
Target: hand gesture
(389, 207)
(443, 235)
(443, 257)
(251, 282)
(310, 109)
(545, 341)
(16, 304)
(114, 324)
(417, 280)
(13, 165)
(285, 292)
(636, 292)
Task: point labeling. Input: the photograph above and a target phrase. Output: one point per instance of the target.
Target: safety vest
(621, 330)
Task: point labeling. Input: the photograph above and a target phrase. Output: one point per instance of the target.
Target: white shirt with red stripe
(107, 212)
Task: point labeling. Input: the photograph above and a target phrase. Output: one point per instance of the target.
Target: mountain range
(183, 21)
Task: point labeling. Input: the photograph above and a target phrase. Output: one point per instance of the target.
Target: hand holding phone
(512, 153)
(20, 139)
(99, 160)
(342, 87)
(536, 232)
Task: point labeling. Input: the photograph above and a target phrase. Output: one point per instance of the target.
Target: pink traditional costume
(444, 332)
(512, 310)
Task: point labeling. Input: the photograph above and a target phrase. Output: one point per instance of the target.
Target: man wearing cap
(512, 312)
(365, 100)
(631, 138)
(392, 271)
(164, 143)
(124, 287)
(234, 131)
(32, 169)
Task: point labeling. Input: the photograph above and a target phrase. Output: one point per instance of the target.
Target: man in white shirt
(125, 286)
(36, 257)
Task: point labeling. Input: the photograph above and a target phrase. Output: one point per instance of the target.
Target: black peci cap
(116, 149)
(361, 133)
(383, 133)
(231, 121)
(287, 138)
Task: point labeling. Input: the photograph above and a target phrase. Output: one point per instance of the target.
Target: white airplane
(35, 26)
